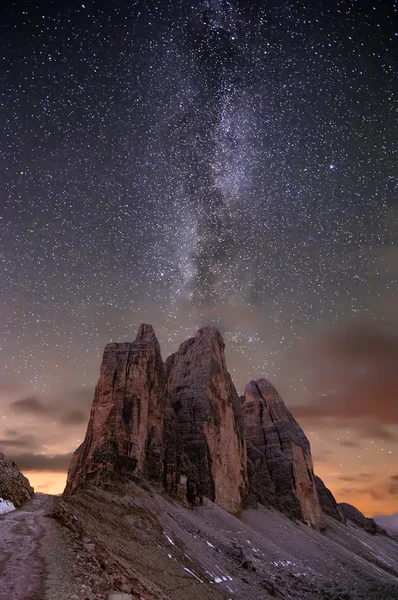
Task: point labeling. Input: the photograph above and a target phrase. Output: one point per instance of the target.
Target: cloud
(361, 478)
(29, 406)
(349, 443)
(11, 432)
(68, 408)
(28, 442)
(393, 486)
(321, 456)
(353, 381)
(74, 417)
(42, 462)
(388, 521)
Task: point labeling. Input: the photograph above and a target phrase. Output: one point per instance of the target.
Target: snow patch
(193, 574)
(6, 506)
(232, 591)
(217, 579)
(284, 563)
(382, 559)
(169, 539)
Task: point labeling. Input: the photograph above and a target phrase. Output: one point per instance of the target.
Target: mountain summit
(182, 425)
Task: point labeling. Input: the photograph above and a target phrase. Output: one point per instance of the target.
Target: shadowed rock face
(327, 501)
(357, 518)
(14, 486)
(125, 431)
(280, 464)
(208, 413)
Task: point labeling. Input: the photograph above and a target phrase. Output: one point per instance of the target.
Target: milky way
(185, 163)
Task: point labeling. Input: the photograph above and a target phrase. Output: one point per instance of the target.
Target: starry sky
(185, 163)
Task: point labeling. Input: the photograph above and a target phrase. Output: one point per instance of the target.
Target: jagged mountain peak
(182, 425)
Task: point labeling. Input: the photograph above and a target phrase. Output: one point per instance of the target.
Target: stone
(125, 431)
(14, 487)
(327, 501)
(280, 464)
(209, 421)
(357, 518)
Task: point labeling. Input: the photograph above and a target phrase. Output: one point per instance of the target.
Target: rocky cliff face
(280, 464)
(183, 425)
(125, 431)
(14, 487)
(327, 501)
(208, 414)
(354, 515)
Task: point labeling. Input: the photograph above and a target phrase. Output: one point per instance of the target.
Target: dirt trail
(38, 560)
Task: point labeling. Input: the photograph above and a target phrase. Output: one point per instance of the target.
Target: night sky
(185, 163)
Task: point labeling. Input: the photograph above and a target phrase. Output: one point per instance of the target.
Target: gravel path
(40, 561)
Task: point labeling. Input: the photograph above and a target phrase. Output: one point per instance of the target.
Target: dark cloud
(360, 478)
(71, 407)
(26, 442)
(354, 381)
(29, 406)
(74, 417)
(11, 432)
(349, 444)
(393, 485)
(345, 491)
(42, 462)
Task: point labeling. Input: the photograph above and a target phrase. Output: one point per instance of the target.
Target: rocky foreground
(14, 487)
(153, 548)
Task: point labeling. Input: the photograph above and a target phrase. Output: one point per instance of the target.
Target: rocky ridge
(181, 425)
(352, 514)
(14, 487)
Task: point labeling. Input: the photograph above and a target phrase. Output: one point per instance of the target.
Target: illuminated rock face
(183, 425)
(125, 431)
(14, 487)
(184, 431)
(209, 421)
(280, 463)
